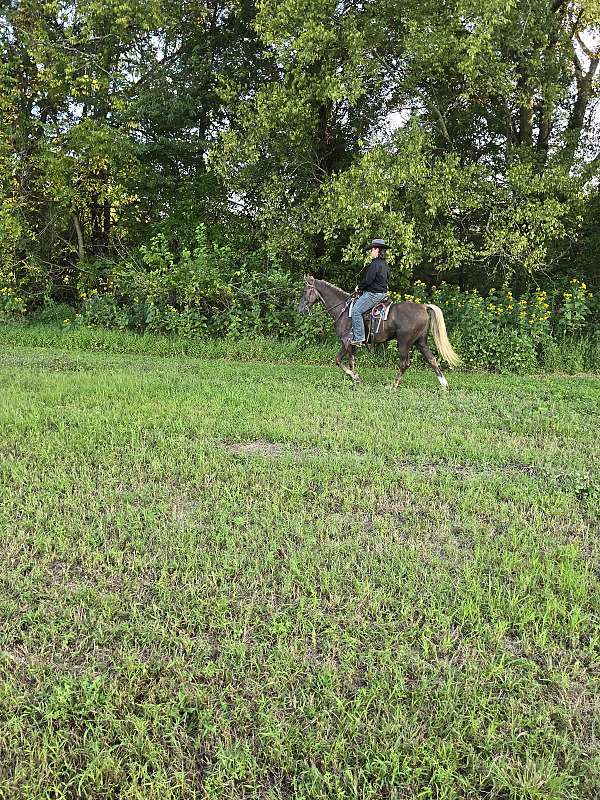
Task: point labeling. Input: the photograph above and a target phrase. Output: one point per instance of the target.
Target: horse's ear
(309, 280)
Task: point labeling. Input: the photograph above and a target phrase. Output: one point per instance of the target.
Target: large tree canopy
(464, 131)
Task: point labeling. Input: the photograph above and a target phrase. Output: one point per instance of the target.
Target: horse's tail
(438, 328)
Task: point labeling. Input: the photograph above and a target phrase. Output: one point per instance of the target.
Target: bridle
(328, 308)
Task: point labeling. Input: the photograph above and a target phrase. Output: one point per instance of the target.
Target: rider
(373, 288)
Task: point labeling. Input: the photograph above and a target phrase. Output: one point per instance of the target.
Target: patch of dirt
(262, 447)
(45, 363)
(253, 448)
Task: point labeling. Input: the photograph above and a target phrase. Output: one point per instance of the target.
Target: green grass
(573, 356)
(248, 580)
(104, 340)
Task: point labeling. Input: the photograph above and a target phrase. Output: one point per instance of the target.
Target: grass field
(230, 580)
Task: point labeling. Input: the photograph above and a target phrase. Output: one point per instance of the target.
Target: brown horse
(408, 323)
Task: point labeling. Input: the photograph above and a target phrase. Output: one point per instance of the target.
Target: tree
(305, 118)
(464, 131)
(498, 99)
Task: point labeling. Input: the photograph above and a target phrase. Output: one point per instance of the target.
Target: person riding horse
(373, 288)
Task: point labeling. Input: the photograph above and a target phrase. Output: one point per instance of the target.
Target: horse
(408, 323)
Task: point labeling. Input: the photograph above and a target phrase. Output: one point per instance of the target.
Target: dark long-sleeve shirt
(376, 277)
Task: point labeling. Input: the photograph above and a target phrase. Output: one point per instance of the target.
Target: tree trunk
(525, 131)
(577, 118)
(107, 225)
(79, 231)
(543, 138)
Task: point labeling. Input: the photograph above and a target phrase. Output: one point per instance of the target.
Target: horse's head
(310, 295)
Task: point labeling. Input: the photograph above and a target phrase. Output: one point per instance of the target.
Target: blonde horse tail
(438, 328)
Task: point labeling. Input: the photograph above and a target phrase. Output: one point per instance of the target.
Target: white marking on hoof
(443, 382)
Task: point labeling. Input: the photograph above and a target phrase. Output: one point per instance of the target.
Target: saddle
(379, 312)
(374, 317)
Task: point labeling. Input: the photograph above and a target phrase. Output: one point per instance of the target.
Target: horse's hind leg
(430, 359)
(339, 360)
(404, 361)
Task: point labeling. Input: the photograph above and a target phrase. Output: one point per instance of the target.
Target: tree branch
(578, 67)
(441, 122)
(589, 53)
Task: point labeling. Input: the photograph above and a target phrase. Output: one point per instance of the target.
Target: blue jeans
(364, 303)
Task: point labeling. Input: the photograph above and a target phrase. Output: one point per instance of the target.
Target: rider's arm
(369, 277)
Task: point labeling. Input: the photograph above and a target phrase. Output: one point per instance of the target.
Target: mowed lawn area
(230, 580)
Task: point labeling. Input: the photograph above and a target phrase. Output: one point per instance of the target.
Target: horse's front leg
(403, 361)
(351, 362)
(347, 352)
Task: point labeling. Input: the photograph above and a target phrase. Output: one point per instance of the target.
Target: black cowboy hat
(376, 243)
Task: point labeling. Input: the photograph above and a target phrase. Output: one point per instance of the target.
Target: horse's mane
(331, 285)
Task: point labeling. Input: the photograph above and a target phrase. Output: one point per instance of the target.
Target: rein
(332, 308)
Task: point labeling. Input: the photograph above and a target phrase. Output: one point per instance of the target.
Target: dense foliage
(288, 132)
(206, 292)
